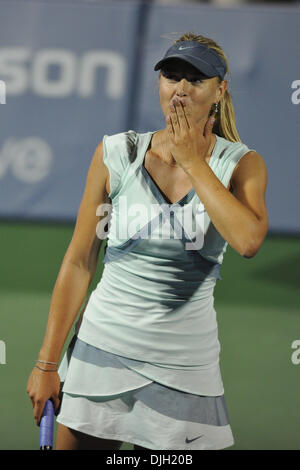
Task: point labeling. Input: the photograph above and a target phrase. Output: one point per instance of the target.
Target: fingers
(178, 116)
(209, 126)
(182, 118)
(38, 411)
(174, 118)
(39, 405)
(169, 125)
(40, 388)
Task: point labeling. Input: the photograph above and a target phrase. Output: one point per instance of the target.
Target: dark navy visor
(203, 58)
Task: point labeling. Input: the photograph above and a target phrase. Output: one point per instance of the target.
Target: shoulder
(120, 146)
(251, 165)
(243, 157)
(229, 146)
(241, 162)
(228, 152)
(122, 138)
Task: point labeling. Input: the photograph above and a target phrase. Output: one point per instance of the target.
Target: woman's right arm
(75, 275)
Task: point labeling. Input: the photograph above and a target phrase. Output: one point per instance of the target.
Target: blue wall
(76, 70)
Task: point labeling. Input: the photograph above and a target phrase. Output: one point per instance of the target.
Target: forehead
(181, 66)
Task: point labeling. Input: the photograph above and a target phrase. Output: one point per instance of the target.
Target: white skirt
(105, 399)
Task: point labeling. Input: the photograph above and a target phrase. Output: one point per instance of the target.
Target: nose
(182, 87)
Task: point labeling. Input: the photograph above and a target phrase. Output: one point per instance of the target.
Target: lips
(181, 100)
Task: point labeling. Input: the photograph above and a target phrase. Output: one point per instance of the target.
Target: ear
(221, 88)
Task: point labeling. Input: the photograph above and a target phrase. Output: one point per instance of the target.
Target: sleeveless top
(154, 304)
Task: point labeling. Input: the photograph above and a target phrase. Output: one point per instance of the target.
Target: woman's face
(197, 92)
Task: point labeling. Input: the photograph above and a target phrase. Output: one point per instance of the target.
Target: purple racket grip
(46, 426)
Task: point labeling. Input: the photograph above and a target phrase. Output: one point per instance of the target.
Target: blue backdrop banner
(74, 70)
(68, 74)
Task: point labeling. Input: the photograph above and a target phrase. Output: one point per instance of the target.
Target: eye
(196, 81)
(170, 75)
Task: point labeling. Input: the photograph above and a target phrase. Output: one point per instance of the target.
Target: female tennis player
(143, 365)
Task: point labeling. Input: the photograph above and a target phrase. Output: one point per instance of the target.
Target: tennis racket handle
(46, 427)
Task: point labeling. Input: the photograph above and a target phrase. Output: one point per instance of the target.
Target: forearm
(234, 221)
(68, 295)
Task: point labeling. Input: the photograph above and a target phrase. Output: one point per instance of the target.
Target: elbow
(251, 249)
(249, 254)
(253, 244)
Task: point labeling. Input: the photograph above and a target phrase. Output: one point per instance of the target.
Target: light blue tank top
(154, 304)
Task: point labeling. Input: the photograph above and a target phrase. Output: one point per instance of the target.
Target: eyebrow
(197, 75)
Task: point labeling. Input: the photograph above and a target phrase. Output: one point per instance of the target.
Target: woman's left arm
(240, 217)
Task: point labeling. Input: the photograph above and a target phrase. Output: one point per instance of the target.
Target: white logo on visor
(185, 47)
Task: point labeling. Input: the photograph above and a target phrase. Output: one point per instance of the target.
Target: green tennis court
(258, 309)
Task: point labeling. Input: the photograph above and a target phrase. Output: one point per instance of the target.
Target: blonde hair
(224, 124)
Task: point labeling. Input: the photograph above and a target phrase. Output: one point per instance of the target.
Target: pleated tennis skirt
(103, 398)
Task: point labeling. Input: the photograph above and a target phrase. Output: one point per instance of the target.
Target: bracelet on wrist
(46, 370)
(47, 362)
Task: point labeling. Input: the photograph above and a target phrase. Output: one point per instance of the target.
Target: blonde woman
(144, 365)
